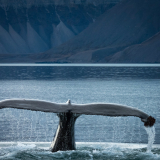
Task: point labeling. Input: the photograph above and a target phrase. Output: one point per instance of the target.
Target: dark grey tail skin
(64, 138)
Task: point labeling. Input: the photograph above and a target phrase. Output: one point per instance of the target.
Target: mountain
(31, 26)
(146, 52)
(77, 31)
(128, 23)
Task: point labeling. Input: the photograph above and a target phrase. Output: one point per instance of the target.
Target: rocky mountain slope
(146, 52)
(128, 23)
(113, 37)
(31, 26)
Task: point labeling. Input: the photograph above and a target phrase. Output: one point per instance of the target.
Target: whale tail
(64, 138)
(68, 113)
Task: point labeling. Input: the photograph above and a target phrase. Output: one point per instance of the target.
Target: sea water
(133, 85)
(86, 151)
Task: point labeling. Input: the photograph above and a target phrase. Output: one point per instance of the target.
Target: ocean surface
(97, 137)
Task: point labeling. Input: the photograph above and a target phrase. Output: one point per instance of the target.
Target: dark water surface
(75, 72)
(136, 86)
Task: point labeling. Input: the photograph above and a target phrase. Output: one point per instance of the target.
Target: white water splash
(151, 135)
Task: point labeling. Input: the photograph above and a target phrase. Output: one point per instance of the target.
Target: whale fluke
(106, 109)
(68, 113)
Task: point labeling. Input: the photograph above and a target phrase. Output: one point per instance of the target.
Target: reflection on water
(134, 86)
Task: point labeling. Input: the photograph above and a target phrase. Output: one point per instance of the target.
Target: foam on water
(87, 151)
(13, 150)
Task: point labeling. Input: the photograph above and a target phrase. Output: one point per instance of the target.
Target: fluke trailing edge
(68, 113)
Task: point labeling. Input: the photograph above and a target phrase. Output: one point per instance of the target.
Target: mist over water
(133, 86)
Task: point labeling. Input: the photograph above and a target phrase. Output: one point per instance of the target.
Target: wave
(87, 151)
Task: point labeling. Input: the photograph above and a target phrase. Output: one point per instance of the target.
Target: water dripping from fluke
(151, 136)
(150, 129)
